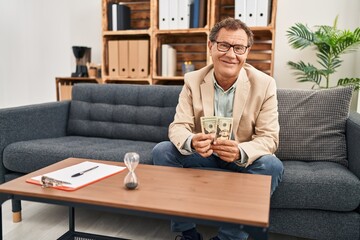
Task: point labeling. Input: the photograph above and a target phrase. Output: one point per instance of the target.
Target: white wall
(36, 40)
(36, 37)
(310, 12)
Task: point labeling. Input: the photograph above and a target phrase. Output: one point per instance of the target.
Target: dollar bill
(208, 125)
(224, 128)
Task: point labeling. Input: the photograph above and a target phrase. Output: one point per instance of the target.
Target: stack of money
(221, 127)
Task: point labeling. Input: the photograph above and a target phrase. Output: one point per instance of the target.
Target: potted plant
(330, 43)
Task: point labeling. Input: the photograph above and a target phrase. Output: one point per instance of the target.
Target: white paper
(64, 174)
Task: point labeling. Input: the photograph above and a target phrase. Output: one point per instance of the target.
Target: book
(69, 183)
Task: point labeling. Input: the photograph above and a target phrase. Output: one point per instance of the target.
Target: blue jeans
(166, 154)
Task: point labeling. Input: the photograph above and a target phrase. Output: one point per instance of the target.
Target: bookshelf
(190, 44)
(64, 85)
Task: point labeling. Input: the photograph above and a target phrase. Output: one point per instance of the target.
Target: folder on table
(143, 56)
(164, 14)
(263, 12)
(133, 59)
(183, 14)
(123, 57)
(113, 53)
(72, 183)
(240, 10)
(251, 12)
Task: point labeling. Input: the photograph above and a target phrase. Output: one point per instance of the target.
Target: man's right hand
(202, 144)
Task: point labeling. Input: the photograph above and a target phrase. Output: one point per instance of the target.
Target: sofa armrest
(36, 121)
(352, 142)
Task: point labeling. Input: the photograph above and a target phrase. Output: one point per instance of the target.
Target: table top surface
(184, 192)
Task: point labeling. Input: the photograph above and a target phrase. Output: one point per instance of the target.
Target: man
(227, 88)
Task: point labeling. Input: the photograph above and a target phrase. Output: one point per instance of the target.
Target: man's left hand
(227, 150)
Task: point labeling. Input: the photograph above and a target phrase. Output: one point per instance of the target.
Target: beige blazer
(255, 110)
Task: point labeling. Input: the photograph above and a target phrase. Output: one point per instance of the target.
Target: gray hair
(231, 24)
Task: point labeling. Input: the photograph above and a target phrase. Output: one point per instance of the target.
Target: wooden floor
(48, 222)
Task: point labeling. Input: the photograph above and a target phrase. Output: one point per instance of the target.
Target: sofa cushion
(123, 111)
(312, 124)
(28, 156)
(317, 185)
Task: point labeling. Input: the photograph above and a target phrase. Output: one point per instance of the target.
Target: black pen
(81, 173)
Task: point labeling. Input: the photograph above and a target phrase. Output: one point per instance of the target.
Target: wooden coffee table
(203, 196)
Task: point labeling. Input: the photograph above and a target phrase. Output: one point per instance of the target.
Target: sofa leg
(16, 209)
(16, 217)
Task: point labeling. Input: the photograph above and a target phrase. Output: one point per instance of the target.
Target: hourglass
(131, 161)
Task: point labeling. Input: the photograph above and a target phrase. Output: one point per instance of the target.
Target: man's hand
(227, 150)
(202, 144)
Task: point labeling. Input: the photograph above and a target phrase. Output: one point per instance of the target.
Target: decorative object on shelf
(83, 56)
(94, 70)
(187, 66)
(330, 43)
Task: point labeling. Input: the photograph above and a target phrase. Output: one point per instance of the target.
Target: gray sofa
(319, 145)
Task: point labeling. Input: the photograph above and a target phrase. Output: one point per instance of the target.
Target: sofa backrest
(313, 124)
(122, 111)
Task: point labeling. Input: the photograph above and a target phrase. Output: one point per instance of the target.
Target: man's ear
(209, 46)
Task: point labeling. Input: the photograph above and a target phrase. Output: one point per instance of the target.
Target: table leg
(72, 219)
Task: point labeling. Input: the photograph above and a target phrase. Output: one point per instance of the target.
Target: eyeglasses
(224, 47)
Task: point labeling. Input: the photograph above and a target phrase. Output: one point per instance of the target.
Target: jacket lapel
(207, 93)
(241, 96)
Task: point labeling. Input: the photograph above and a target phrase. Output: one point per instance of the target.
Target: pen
(81, 173)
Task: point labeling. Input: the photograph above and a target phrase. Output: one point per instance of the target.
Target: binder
(163, 14)
(123, 56)
(173, 14)
(194, 15)
(251, 6)
(202, 13)
(114, 16)
(183, 14)
(123, 17)
(113, 53)
(240, 10)
(73, 183)
(133, 59)
(143, 46)
(263, 12)
(109, 15)
(171, 71)
(164, 59)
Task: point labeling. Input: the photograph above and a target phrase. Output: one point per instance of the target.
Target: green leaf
(349, 82)
(306, 72)
(329, 43)
(300, 36)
